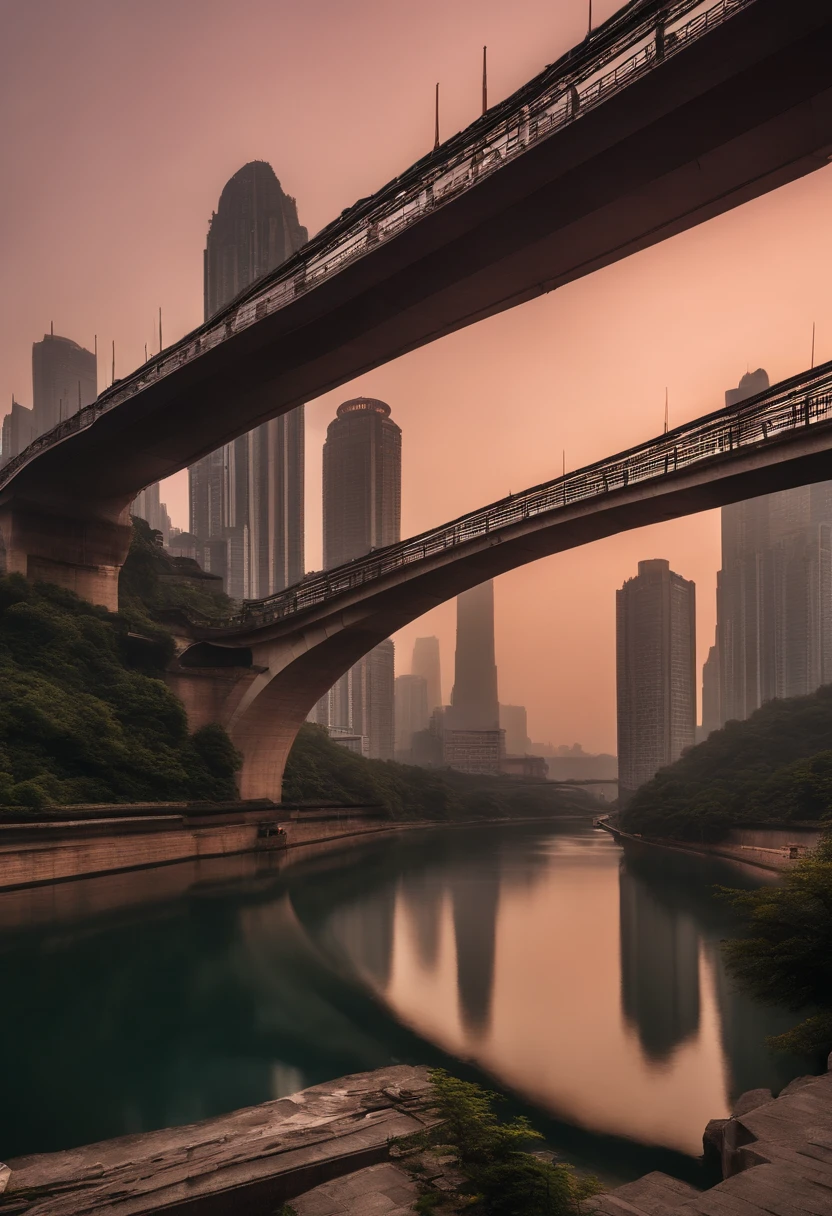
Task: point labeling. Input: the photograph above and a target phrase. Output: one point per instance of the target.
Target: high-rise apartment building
(774, 596)
(246, 500)
(18, 431)
(411, 712)
(362, 478)
(362, 485)
(425, 663)
(655, 672)
(472, 738)
(148, 506)
(64, 378)
(514, 721)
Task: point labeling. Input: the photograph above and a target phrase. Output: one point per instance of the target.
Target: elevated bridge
(261, 671)
(670, 113)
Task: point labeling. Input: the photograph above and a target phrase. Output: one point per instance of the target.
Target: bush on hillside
(776, 767)
(153, 582)
(85, 716)
(787, 959)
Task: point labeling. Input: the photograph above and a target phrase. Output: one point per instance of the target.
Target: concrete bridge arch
(260, 677)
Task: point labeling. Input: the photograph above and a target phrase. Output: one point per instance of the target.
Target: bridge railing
(619, 52)
(792, 406)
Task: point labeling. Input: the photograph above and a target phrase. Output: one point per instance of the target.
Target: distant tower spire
(436, 137)
(484, 79)
(52, 329)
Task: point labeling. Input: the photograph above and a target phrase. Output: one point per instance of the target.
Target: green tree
(787, 957)
(505, 1178)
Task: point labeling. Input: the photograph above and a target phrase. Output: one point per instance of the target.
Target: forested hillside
(776, 767)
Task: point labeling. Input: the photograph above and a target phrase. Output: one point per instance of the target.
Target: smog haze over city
(122, 122)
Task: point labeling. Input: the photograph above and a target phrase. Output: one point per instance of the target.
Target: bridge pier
(54, 545)
(264, 701)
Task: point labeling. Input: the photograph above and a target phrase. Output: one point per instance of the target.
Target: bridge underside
(291, 663)
(743, 110)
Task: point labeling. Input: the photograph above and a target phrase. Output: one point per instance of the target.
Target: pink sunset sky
(121, 122)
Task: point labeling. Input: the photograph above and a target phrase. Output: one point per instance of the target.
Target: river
(582, 979)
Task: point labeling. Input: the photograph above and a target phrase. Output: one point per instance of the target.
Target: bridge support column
(85, 555)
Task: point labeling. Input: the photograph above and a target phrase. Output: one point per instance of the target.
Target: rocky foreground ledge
(251, 1161)
(326, 1150)
(775, 1155)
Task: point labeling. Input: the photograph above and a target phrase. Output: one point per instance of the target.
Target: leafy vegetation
(85, 716)
(319, 770)
(153, 583)
(502, 1177)
(787, 960)
(776, 767)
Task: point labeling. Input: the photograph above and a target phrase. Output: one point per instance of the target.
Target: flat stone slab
(250, 1161)
(776, 1159)
(379, 1190)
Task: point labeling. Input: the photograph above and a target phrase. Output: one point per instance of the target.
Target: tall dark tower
(472, 740)
(362, 480)
(474, 704)
(655, 616)
(247, 499)
(64, 378)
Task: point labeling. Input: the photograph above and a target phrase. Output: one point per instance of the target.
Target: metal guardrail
(644, 34)
(768, 418)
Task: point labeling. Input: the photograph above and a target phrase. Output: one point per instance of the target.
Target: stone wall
(53, 852)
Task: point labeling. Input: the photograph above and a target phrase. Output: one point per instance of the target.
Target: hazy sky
(121, 121)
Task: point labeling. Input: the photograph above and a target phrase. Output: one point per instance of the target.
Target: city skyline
(668, 316)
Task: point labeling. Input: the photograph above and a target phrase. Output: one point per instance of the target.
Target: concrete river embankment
(79, 842)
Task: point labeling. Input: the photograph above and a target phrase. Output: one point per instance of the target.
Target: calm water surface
(584, 980)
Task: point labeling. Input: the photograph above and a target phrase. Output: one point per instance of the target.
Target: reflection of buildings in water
(365, 929)
(475, 896)
(422, 892)
(286, 1079)
(744, 1027)
(659, 968)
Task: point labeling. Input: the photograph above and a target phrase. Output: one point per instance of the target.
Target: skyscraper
(472, 739)
(774, 596)
(64, 378)
(411, 712)
(18, 431)
(514, 721)
(474, 704)
(148, 506)
(246, 500)
(425, 663)
(362, 486)
(655, 672)
(362, 478)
